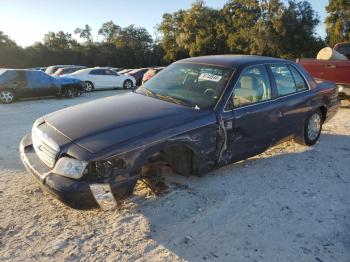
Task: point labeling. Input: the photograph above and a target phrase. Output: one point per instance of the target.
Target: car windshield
(194, 85)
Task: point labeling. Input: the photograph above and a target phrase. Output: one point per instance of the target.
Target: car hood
(125, 118)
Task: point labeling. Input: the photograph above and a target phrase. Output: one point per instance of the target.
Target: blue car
(196, 115)
(17, 84)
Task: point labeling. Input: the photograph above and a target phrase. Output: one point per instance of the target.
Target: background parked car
(124, 71)
(138, 74)
(52, 69)
(151, 73)
(343, 48)
(98, 78)
(15, 84)
(116, 69)
(68, 70)
(337, 71)
(38, 68)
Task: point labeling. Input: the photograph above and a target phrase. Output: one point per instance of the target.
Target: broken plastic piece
(104, 196)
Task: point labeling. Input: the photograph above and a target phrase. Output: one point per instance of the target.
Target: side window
(110, 72)
(298, 79)
(284, 79)
(8, 76)
(253, 86)
(97, 72)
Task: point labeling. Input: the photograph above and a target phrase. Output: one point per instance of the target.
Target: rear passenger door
(292, 96)
(113, 79)
(251, 116)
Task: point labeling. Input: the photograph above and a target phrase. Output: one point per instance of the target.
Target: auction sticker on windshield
(209, 77)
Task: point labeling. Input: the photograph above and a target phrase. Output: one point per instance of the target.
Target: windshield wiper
(178, 101)
(170, 99)
(147, 92)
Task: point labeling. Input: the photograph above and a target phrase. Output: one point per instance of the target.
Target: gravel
(291, 203)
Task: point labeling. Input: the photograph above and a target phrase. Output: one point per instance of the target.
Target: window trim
(295, 80)
(272, 99)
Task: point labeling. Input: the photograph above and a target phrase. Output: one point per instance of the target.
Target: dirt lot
(291, 203)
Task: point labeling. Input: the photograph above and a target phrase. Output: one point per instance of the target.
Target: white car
(100, 78)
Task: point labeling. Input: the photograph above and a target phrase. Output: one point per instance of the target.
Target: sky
(27, 22)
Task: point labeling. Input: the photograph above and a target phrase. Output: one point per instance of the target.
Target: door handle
(279, 114)
(329, 66)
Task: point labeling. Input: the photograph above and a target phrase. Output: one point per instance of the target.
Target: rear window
(345, 50)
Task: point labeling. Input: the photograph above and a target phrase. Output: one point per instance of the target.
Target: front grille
(46, 149)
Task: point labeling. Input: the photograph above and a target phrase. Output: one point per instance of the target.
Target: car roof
(3, 70)
(24, 70)
(231, 61)
(90, 69)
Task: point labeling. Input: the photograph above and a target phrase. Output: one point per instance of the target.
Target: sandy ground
(291, 203)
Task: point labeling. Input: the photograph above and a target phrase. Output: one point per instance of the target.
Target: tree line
(256, 27)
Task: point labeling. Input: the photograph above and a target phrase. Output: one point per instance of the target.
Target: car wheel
(127, 84)
(89, 86)
(70, 93)
(7, 96)
(311, 130)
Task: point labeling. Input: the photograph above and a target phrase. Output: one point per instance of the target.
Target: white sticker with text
(209, 77)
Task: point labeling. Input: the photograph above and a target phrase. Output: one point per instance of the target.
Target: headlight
(70, 167)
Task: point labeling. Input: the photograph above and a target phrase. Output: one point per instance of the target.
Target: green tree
(271, 28)
(192, 32)
(199, 33)
(169, 30)
(10, 53)
(240, 17)
(59, 40)
(109, 31)
(338, 21)
(85, 33)
(5, 40)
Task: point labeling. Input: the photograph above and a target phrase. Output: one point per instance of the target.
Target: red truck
(337, 71)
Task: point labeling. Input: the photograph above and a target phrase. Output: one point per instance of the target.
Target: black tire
(70, 92)
(311, 130)
(127, 84)
(89, 87)
(7, 96)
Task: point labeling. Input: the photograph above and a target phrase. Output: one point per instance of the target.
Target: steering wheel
(211, 93)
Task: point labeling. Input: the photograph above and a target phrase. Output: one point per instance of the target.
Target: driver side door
(251, 116)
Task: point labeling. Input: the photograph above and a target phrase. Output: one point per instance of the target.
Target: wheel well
(323, 110)
(180, 158)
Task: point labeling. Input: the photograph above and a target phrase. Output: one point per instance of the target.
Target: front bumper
(79, 194)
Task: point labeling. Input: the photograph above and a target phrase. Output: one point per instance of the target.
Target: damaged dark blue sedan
(196, 115)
